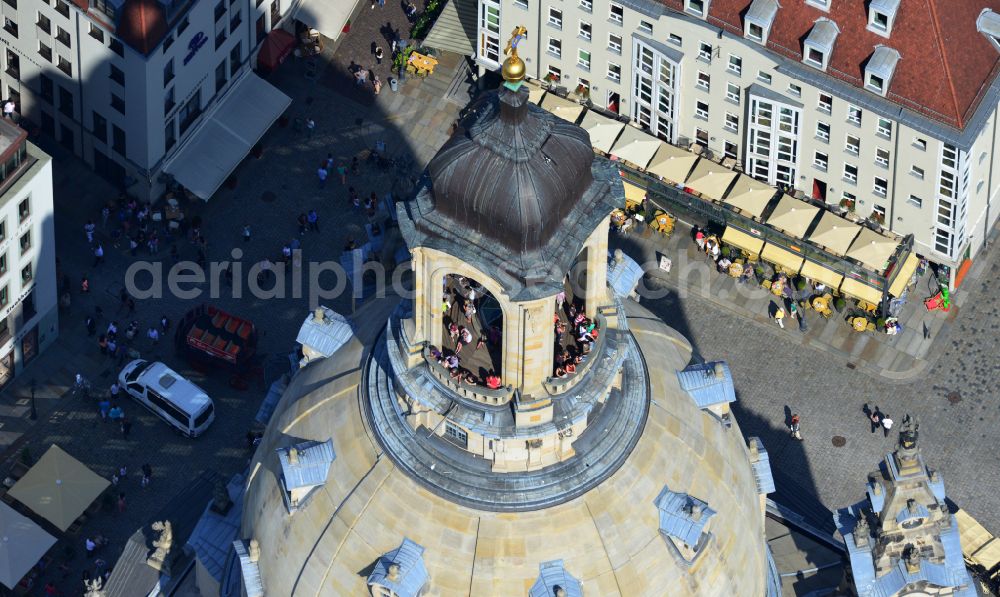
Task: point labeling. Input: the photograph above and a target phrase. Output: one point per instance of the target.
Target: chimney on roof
(619, 256)
(254, 551)
(393, 572)
(877, 488)
(319, 315)
(293, 455)
(719, 370)
(695, 512)
(911, 557)
(754, 452)
(559, 591)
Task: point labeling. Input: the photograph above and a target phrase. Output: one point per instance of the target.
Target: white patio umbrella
(22, 544)
(635, 146)
(671, 162)
(561, 107)
(603, 131)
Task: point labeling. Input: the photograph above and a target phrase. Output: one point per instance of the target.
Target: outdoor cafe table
(422, 63)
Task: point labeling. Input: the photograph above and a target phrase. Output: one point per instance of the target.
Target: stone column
(528, 345)
(596, 290)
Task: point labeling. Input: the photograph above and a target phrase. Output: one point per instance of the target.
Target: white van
(174, 399)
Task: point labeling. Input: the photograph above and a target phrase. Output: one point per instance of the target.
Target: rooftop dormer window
(820, 4)
(881, 14)
(988, 24)
(758, 20)
(697, 7)
(880, 68)
(304, 468)
(684, 523)
(818, 46)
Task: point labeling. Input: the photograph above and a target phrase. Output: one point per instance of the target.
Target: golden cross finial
(513, 66)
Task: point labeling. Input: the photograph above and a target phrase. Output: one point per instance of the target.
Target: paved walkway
(901, 357)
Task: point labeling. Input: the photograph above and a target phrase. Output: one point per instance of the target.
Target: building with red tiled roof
(884, 109)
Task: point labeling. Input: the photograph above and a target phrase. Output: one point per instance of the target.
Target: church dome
(512, 172)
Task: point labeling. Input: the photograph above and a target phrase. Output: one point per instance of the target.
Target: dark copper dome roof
(512, 173)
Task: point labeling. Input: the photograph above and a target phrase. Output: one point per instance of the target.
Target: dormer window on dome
(758, 20)
(554, 581)
(684, 523)
(880, 68)
(988, 24)
(881, 14)
(304, 468)
(698, 8)
(818, 46)
(400, 572)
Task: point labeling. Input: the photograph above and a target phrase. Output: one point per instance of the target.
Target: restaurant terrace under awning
(782, 257)
(535, 91)
(749, 195)
(58, 488)
(902, 278)
(226, 134)
(872, 249)
(834, 233)
(671, 163)
(742, 240)
(22, 544)
(709, 179)
(860, 290)
(818, 273)
(328, 18)
(562, 107)
(603, 131)
(792, 216)
(635, 146)
(633, 194)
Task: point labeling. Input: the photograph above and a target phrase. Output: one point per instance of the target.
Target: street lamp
(34, 413)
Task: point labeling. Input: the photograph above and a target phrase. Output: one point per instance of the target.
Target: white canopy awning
(226, 134)
(328, 18)
(602, 130)
(635, 146)
(561, 107)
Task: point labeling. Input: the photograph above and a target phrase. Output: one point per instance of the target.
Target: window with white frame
(794, 89)
(875, 83)
(881, 14)
(881, 186)
(853, 144)
(583, 59)
(553, 73)
(735, 64)
(733, 93)
(851, 173)
(675, 39)
(818, 45)
(615, 43)
(878, 213)
(705, 51)
(586, 32)
(823, 131)
(617, 13)
(555, 18)
(695, 7)
(730, 150)
(882, 157)
(654, 91)
(772, 151)
(816, 57)
(701, 109)
(555, 47)
(489, 31)
(763, 77)
(587, 5)
(915, 201)
(821, 160)
(614, 72)
(822, 4)
(732, 122)
(646, 27)
(825, 103)
(755, 32)
(884, 128)
(917, 171)
(854, 114)
(704, 81)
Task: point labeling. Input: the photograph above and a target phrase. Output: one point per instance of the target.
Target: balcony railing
(497, 397)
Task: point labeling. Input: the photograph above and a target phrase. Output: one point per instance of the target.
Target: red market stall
(276, 47)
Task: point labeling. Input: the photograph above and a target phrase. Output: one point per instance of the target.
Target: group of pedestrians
(878, 419)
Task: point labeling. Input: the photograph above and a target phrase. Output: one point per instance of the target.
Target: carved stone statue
(254, 551)
(220, 498)
(93, 587)
(908, 432)
(158, 560)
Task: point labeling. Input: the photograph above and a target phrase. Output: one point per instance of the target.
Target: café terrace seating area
(798, 236)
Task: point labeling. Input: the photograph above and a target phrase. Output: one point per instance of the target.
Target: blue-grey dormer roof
(680, 517)
(412, 574)
(708, 384)
(877, 499)
(551, 576)
(623, 275)
(936, 484)
(253, 586)
(762, 468)
(883, 64)
(325, 336)
(312, 464)
(762, 13)
(822, 36)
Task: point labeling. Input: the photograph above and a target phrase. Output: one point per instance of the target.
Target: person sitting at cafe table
(724, 264)
(570, 368)
(699, 239)
(712, 248)
(493, 381)
(560, 372)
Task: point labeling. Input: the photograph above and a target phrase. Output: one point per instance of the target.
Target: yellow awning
(750, 195)
(710, 179)
(792, 215)
(671, 163)
(905, 273)
(862, 291)
(834, 233)
(603, 131)
(988, 556)
(635, 146)
(783, 257)
(872, 249)
(817, 272)
(742, 240)
(633, 194)
(561, 107)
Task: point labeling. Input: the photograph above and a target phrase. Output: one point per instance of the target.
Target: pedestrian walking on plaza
(88, 229)
(147, 475)
(779, 316)
(378, 54)
(121, 503)
(126, 427)
(377, 84)
(114, 390)
(102, 343)
(342, 172)
(303, 223)
(164, 324)
(886, 424)
(98, 255)
(112, 347)
(105, 214)
(133, 246)
(794, 427)
(313, 219)
(91, 326)
(154, 335)
(310, 127)
(355, 166)
(85, 285)
(246, 233)
(91, 546)
(321, 173)
(103, 407)
(130, 303)
(122, 472)
(874, 417)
